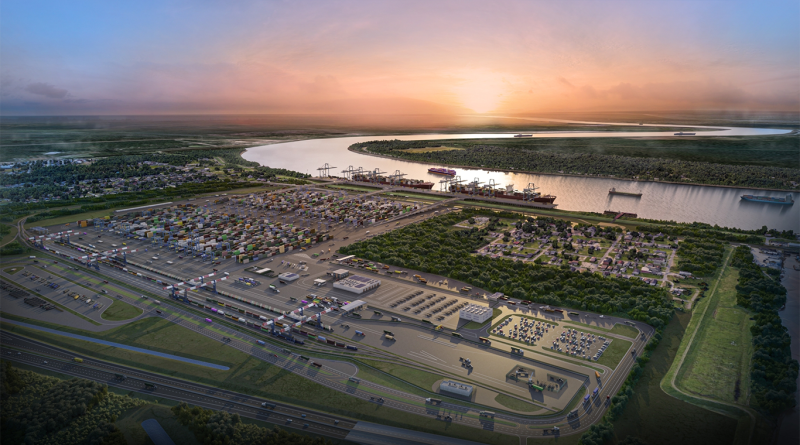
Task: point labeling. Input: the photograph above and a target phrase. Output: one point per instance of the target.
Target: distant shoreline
(472, 167)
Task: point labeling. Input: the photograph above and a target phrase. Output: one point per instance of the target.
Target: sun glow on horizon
(480, 90)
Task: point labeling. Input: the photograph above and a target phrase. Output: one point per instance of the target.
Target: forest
(222, 428)
(435, 246)
(525, 158)
(42, 410)
(774, 372)
(700, 257)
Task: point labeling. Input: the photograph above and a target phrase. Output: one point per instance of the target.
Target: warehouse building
(357, 284)
(339, 274)
(473, 312)
(459, 389)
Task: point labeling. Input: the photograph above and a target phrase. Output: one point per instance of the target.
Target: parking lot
(533, 332)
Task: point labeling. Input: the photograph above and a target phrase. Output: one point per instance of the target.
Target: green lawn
(614, 352)
(658, 418)
(720, 355)
(619, 329)
(12, 270)
(120, 310)
(418, 377)
(516, 404)
(247, 374)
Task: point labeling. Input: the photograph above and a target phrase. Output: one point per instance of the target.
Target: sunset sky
(399, 57)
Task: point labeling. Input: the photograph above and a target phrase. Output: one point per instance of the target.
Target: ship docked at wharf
(614, 191)
(788, 200)
(491, 190)
(381, 178)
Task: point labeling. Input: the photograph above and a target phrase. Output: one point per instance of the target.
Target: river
(676, 202)
(788, 431)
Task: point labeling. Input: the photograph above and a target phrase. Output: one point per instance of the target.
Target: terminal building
(473, 312)
(459, 389)
(357, 284)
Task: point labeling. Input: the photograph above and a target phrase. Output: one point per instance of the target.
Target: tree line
(222, 428)
(701, 257)
(43, 410)
(773, 373)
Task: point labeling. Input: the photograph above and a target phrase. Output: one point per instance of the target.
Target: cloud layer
(406, 57)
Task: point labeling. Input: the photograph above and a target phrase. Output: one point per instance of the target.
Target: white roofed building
(473, 312)
(357, 284)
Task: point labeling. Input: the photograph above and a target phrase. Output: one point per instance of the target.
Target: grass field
(619, 329)
(516, 404)
(614, 352)
(418, 377)
(120, 310)
(12, 270)
(660, 419)
(720, 355)
(248, 374)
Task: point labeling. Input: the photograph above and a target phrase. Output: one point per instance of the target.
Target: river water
(676, 202)
(788, 431)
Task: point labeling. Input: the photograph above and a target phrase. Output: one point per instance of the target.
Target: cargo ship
(401, 182)
(614, 191)
(523, 135)
(442, 171)
(788, 200)
(680, 133)
(530, 193)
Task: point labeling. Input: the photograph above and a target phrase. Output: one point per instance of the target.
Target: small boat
(614, 191)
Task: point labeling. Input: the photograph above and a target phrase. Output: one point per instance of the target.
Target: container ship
(402, 182)
(530, 193)
(788, 200)
(614, 191)
(680, 133)
(523, 135)
(442, 171)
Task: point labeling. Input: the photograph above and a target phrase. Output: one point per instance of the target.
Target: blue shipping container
(352, 347)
